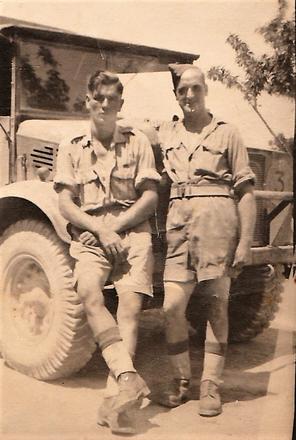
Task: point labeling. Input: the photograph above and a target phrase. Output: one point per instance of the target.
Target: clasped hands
(106, 237)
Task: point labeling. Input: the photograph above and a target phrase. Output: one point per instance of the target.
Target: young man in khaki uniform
(107, 185)
(209, 235)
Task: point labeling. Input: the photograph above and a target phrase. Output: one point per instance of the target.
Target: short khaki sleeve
(239, 160)
(65, 175)
(146, 169)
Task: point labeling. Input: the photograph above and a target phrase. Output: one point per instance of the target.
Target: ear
(87, 100)
(121, 102)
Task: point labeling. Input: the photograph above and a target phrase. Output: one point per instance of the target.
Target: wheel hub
(30, 298)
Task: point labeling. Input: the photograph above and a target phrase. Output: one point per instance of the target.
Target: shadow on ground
(152, 363)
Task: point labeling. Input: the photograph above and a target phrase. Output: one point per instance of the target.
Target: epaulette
(127, 130)
(77, 139)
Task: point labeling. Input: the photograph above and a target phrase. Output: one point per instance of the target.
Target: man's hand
(242, 256)
(112, 244)
(87, 238)
(105, 234)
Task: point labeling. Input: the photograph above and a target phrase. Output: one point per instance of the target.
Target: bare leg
(128, 313)
(175, 303)
(91, 296)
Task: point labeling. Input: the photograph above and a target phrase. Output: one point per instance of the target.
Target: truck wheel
(45, 333)
(254, 299)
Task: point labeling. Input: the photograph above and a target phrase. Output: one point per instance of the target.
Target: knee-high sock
(111, 384)
(214, 361)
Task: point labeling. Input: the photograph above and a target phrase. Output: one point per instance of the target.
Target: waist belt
(188, 190)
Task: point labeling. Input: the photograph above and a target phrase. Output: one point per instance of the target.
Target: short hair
(101, 77)
(177, 71)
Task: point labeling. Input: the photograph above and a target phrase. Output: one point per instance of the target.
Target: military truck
(42, 87)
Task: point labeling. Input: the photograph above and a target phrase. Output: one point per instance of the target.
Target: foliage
(273, 73)
(51, 93)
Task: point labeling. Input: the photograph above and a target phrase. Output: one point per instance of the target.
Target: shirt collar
(119, 136)
(210, 127)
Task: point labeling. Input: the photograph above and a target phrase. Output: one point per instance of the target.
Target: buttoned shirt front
(217, 155)
(105, 177)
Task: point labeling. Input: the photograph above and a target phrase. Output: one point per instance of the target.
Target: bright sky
(193, 26)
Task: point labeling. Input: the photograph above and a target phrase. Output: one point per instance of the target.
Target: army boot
(210, 401)
(177, 394)
(132, 390)
(119, 423)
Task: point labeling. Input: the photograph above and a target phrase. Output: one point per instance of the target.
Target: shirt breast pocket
(123, 181)
(170, 152)
(125, 170)
(175, 158)
(210, 158)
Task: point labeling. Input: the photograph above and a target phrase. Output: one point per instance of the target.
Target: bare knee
(173, 311)
(129, 309)
(216, 291)
(176, 299)
(90, 294)
(218, 309)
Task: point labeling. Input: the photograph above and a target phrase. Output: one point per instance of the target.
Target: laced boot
(119, 423)
(177, 394)
(210, 401)
(132, 390)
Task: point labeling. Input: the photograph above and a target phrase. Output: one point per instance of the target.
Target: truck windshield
(53, 78)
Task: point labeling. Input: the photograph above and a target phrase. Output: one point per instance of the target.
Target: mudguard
(44, 197)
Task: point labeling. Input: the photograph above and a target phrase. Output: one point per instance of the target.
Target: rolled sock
(180, 360)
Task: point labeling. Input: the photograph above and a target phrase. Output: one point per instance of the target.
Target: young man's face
(191, 92)
(104, 103)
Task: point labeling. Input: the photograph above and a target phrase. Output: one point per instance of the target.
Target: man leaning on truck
(107, 186)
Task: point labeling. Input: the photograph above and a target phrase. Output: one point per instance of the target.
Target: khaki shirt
(102, 177)
(214, 156)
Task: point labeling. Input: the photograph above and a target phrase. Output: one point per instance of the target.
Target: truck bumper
(273, 255)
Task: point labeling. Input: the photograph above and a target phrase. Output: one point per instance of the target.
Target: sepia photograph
(147, 240)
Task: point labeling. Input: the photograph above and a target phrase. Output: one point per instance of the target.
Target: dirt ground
(258, 393)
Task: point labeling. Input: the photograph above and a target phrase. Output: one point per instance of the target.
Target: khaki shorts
(202, 235)
(134, 275)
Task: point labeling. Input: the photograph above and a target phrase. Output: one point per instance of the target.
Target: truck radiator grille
(43, 156)
(257, 163)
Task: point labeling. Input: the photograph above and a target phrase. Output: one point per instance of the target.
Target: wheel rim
(29, 298)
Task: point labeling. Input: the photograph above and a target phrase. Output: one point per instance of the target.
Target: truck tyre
(45, 332)
(254, 299)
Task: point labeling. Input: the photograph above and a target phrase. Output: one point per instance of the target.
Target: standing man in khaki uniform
(107, 185)
(209, 234)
